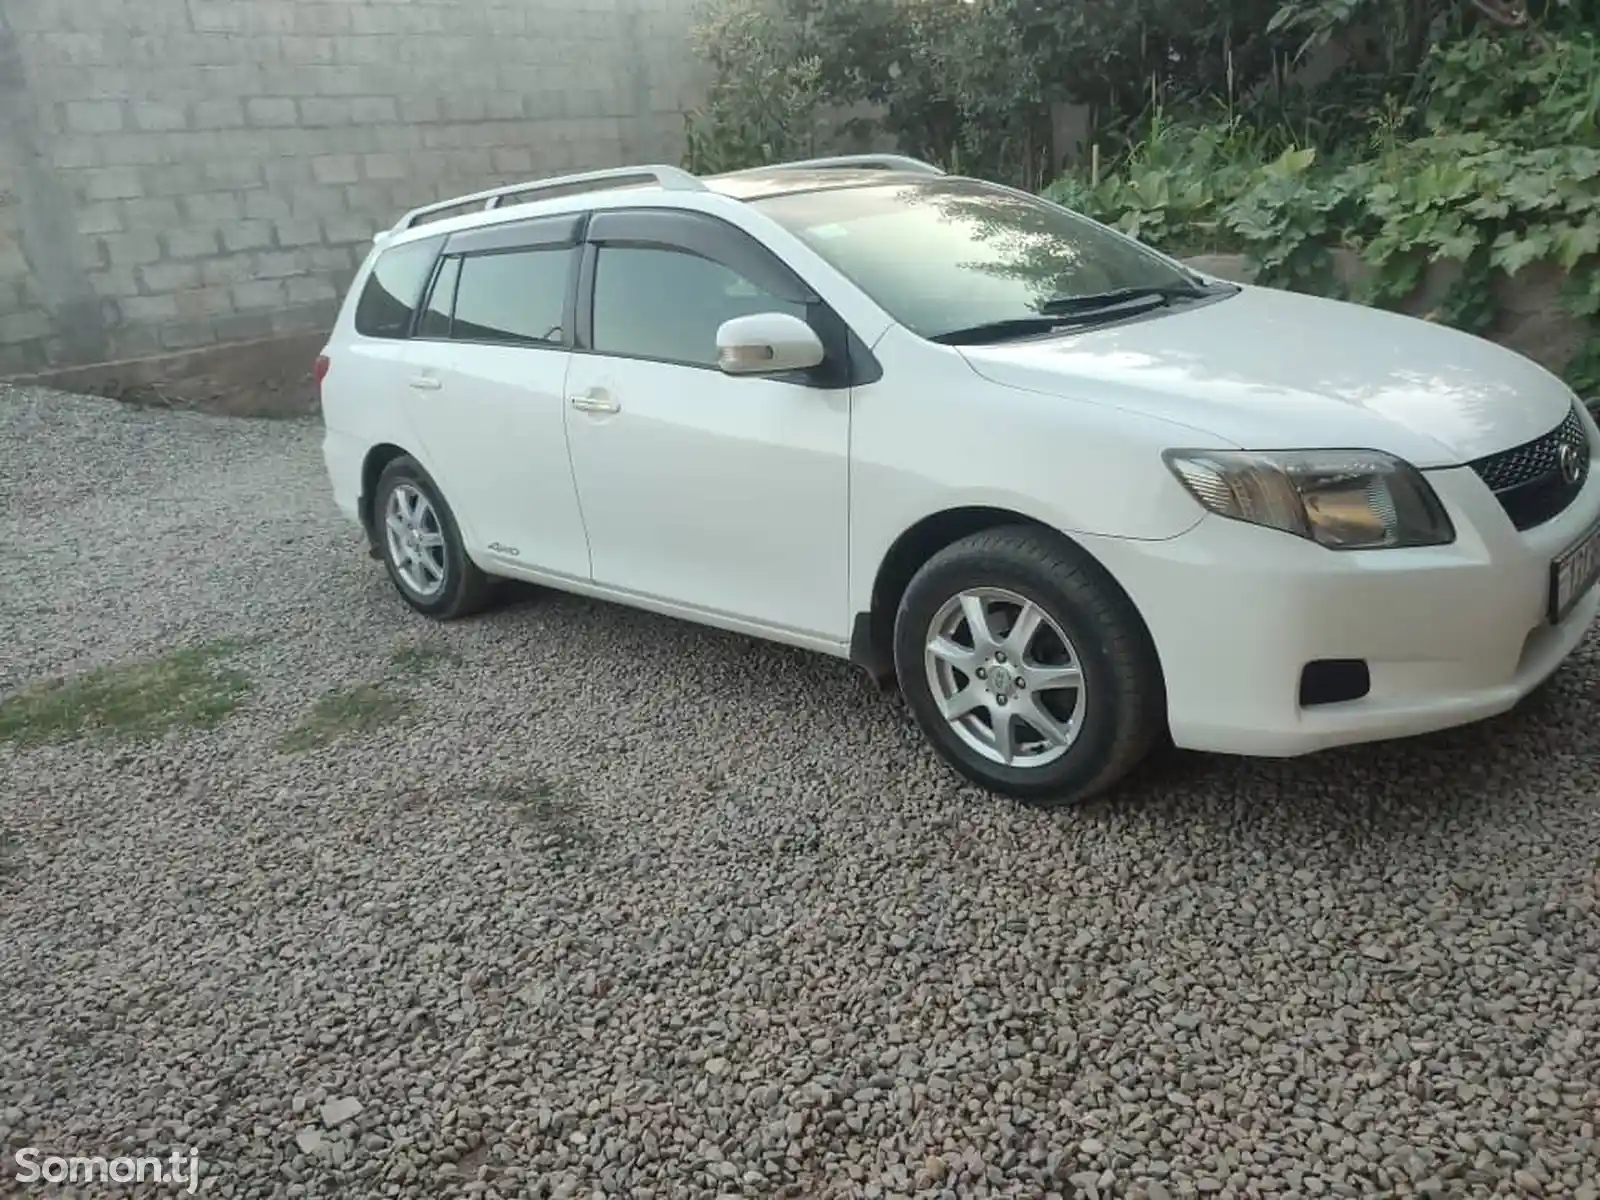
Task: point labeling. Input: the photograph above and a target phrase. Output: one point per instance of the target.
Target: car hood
(1269, 369)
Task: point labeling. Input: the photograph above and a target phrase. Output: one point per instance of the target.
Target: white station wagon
(1071, 495)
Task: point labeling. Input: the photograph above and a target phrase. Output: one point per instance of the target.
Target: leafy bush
(763, 99)
(970, 83)
(1504, 175)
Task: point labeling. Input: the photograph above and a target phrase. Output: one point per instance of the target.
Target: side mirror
(769, 343)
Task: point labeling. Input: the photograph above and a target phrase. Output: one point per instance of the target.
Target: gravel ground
(629, 908)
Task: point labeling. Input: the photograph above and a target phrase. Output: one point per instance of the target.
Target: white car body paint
(767, 508)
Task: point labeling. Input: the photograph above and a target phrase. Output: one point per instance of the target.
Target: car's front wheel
(421, 545)
(1027, 667)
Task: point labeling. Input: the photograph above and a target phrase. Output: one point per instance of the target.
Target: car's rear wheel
(1027, 667)
(421, 545)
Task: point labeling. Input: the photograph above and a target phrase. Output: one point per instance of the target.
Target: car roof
(602, 189)
(764, 182)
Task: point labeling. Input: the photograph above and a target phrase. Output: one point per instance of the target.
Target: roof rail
(868, 162)
(672, 178)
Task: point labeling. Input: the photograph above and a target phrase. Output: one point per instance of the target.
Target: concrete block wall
(179, 173)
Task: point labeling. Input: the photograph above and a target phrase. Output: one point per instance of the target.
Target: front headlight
(1342, 499)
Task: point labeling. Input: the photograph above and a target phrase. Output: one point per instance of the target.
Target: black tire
(466, 589)
(1123, 702)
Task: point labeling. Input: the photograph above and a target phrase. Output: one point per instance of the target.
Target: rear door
(489, 357)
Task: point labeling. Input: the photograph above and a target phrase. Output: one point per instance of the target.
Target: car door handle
(594, 403)
(425, 383)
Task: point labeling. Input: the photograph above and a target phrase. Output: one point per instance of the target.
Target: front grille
(1528, 480)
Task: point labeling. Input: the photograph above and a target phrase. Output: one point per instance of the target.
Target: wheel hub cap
(416, 541)
(1006, 677)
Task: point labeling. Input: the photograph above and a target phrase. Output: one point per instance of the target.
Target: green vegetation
(1504, 174)
(370, 706)
(542, 806)
(423, 658)
(360, 709)
(764, 92)
(146, 699)
(1463, 132)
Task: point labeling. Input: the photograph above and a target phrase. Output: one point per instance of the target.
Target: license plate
(1573, 574)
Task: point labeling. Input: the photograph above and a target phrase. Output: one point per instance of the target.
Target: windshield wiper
(1075, 312)
(1001, 331)
(1100, 301)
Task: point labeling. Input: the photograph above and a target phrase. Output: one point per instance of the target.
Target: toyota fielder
(1070, 494)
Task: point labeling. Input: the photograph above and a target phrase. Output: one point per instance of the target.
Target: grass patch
(337, 714)
(424, 658)
(187, 689)
(544, 808)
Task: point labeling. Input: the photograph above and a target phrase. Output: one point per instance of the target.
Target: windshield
(950, 254)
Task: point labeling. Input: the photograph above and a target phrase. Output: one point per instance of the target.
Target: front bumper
(1450, 634)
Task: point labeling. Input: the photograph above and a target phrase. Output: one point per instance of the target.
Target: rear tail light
(320, 371)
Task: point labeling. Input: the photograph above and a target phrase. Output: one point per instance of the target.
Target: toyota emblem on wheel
(1570, 460)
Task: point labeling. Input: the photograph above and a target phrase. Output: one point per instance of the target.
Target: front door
(727, 494)
(489, 361)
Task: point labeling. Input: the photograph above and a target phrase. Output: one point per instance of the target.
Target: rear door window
(516, 297)
(436, 314)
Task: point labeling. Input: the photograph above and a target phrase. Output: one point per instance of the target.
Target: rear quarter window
(394, 288)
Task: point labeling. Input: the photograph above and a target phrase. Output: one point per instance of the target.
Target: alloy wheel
(1006, 677)
(416, 541)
